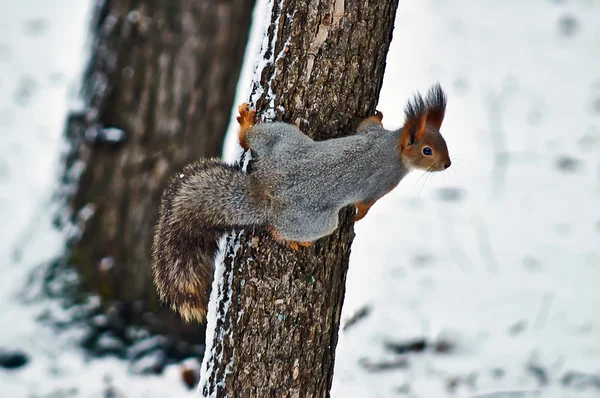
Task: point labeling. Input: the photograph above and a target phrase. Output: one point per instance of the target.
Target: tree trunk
(158, 93)
(278, 314)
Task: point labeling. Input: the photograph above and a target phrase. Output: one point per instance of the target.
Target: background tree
(157, 95)
(278, 317)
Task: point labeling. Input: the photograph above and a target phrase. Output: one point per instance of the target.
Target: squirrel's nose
(447, 164)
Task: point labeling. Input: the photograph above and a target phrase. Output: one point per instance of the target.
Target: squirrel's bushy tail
(202, 202)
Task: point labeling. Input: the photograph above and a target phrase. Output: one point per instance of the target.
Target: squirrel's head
(421, 143)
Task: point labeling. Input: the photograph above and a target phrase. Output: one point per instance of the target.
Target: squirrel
(295, 189)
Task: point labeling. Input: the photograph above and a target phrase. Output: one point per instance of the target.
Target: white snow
(522, 244)
(507, 265)
(253, 55)
(112, 134)
(41, 57)
(263, 60)
(217, 294)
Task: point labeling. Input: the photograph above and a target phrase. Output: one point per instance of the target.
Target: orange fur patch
(377, 117)
(246, 121)
(362, 208)
(413, 130)
(294, 245)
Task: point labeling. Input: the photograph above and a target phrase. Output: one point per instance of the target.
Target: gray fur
(310, 181)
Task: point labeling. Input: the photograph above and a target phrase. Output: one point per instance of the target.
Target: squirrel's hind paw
(294, 245)
(246, 117)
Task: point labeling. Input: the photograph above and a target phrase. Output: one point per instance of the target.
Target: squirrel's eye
(427, 151)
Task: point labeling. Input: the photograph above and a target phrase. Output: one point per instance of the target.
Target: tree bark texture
(279, 311)
(158, 93)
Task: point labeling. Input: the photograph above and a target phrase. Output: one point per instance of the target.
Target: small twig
(397, 363)
(510, 394)
(357, 316)
(417, 345)
(539, 373)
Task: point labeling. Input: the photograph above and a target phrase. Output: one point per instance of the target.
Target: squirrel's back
(312, 180)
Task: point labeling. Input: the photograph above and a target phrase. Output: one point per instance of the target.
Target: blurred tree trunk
(279, 310)
(157, 93)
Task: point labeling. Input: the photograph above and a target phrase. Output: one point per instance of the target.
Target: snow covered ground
(500, 254)
(41, 55)
(502, 251)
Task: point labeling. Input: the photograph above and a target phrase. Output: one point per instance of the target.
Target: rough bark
(279, 314)
(164, 73)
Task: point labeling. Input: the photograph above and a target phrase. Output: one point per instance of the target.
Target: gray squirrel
(296, 189)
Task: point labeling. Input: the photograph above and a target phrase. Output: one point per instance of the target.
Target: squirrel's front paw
(246, 120)
(362, 208)
(246, 117)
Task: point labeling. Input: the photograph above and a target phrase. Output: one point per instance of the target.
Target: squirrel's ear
(414, 129)
(435, 118)
(405, 138)
(436, 105)
(415, 114)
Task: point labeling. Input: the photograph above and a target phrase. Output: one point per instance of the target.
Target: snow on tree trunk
(275, 313)
(157, 94)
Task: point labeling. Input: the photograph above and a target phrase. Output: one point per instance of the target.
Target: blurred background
(479, 281)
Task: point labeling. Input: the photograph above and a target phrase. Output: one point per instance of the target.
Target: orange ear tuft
(436, 105)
